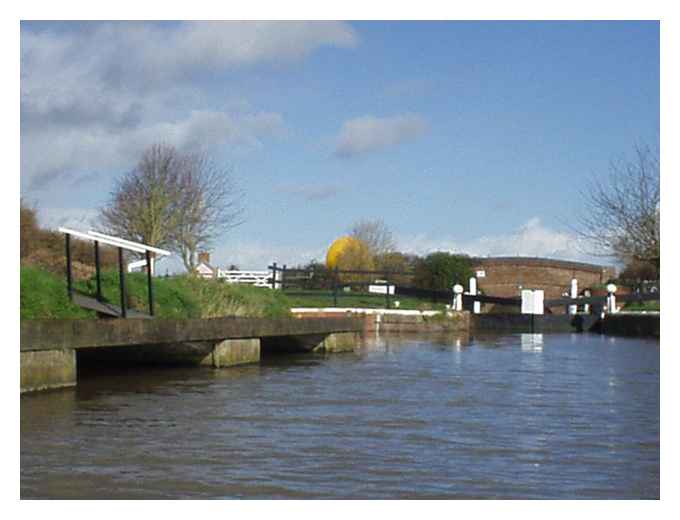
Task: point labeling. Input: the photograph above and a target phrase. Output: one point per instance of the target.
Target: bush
(440, 271)
(45, 249)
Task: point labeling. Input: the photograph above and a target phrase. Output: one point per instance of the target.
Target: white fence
(256, 278)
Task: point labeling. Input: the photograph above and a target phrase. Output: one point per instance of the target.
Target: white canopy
(115, 241)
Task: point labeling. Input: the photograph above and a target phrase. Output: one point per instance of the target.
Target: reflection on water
(532, 342)
(513, 416)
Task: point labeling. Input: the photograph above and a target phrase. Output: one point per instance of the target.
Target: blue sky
(465, 136)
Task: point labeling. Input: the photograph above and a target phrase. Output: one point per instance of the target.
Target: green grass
(43, 295)
(643, 306)
(364, 300)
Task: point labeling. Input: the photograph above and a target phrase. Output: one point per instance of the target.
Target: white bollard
(476, 306)
(573, 293)
(457, 297)
(611, 298)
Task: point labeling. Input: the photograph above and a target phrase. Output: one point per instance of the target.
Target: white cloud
(138, 55)
(48, 154)
(531, 239)
(92, 98)
(80, 219)
(258, 255)
(366, 134)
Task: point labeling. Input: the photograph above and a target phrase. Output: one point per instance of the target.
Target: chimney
(204, 258)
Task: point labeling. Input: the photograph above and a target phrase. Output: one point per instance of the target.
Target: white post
(458, 297)
(611, 298)
(573, 294)
(476, 306)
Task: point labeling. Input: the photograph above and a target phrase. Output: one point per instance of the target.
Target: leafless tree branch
(621, 214)
(174, 200)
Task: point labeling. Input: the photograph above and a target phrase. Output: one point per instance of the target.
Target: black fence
(336, 282)
(339, 283)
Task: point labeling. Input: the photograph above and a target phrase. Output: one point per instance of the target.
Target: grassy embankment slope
(43, 295)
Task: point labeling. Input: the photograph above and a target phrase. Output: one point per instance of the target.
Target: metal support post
(335, 286)
(69, 274)
(149, 280)
(274, 275)
(97, 266)
(121, 278)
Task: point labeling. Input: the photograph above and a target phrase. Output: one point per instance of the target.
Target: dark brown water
(557, 416)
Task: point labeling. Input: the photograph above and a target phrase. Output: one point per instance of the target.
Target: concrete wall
(451, 322)
(198, 353)
(340, 342)
(50, 349)
(80, 334)
(624, 324)
(524, 323)
(47, 369)
(335, 342)
(232, 352)
(396, 321)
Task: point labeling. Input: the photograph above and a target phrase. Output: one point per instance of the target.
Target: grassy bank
(43, 295)
(643, 306)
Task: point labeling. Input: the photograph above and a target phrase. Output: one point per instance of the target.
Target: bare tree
(621, 217)
(375, 234)
(144, 203)
(174, 200)
(210, 205)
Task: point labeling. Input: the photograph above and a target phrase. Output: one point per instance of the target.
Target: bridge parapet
(81, 334)
(48, 347)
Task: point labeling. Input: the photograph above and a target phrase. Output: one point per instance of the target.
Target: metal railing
(337, 282)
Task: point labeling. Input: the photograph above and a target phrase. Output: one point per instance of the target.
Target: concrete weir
(51, 349)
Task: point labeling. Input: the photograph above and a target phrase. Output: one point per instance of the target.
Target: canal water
(511, 416)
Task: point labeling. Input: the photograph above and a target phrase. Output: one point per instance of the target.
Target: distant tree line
(375, 250)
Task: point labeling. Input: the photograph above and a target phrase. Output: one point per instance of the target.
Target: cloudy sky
(462, 136)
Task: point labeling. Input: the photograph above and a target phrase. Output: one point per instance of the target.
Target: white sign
(481, 274)
(527, 301)
(532, 301)
(538, 302)
(380, 289)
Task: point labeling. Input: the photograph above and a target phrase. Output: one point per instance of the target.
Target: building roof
(206, 267)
